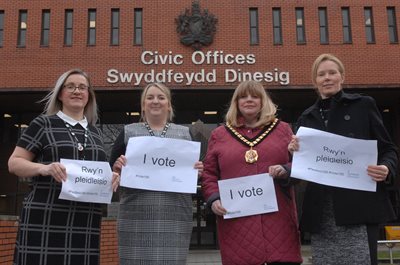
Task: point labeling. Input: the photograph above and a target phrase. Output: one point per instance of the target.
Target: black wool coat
(356, 116)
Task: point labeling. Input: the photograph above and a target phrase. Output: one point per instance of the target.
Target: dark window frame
(300, 27)
(115, 27)
(2, 14)
(91, 29)
(346, 25)
(323, 25)
(254, 29)
(277, 26)
(68, 27)
(138, 26)
(22, 30)
(369, 25)
(45, 28)
(392, 25)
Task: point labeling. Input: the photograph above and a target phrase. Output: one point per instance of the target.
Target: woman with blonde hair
(344, 222)
(253, 141)
(154, 227)
(52, 230)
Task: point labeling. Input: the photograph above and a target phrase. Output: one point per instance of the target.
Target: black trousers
(373, 232)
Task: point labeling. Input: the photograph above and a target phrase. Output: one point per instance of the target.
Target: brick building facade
(123, 44)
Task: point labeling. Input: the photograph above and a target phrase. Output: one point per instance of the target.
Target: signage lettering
(200, 76)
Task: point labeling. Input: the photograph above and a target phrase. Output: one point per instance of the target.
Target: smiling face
(249, 107)
(156, 104)
(76, 100)
(328, 79)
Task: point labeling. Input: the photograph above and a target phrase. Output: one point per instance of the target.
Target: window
(22, 26)
(138, 39)
(91, 37)
(369, 25)
(254, 40)
(392, 24)
(323, 25)
(68, 27)
(300, 29)
(1, 27)
(114, 26)
(45, 34)
(346, 25)
(277, 25)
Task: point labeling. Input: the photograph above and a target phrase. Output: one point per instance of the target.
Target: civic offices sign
(231, 74)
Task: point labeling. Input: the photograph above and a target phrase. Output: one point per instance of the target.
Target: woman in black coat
(344, 223)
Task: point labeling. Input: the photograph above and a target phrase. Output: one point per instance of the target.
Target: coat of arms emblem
(196, 28)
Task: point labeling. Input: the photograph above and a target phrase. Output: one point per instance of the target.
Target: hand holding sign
(161, 164)
(249, 195)
(333, 160)
(87, 181)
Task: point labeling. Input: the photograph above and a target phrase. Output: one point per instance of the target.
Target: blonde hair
(322, 58)
(268, 108)
(166, 91)
(53, 104)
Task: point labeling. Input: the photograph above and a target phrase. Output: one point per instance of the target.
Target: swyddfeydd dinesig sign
(235, 65)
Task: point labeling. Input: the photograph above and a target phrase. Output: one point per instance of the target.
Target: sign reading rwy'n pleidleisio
(248, 195)
(87, 181)
(161, 164)
(334, 160)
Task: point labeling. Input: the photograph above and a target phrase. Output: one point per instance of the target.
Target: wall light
(132, 114)
(6, 115)
(211, 112)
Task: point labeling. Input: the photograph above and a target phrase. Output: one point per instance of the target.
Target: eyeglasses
(71, 87)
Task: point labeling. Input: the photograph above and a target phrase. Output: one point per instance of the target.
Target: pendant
(251, 156)
(80, 147)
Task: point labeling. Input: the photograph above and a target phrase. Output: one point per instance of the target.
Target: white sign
(161, 164)
(87, 181)
(249, 195)
(334, 160)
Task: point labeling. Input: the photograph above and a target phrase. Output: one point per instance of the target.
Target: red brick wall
(35, 67)
(8, 233)
(108, 244)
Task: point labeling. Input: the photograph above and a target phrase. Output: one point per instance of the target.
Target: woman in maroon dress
(253, 141)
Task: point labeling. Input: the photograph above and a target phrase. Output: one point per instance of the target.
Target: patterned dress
(54, 231)
(153, 227)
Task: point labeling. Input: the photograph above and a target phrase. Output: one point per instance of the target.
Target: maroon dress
(253, 240)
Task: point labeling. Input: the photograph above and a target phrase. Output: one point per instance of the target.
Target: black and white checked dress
(154, 227)
(54, 231)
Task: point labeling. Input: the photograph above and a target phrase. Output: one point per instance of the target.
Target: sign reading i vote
(161, 164)
(249, 195)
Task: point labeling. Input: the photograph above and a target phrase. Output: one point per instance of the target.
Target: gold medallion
(251, 156)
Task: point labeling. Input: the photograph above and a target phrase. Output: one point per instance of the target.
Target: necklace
(81, 147)
(151, 132)
(251, 155)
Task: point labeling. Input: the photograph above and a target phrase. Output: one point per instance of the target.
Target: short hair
(254, 88)
(53, 104)
(322, 58)
(166, 91)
